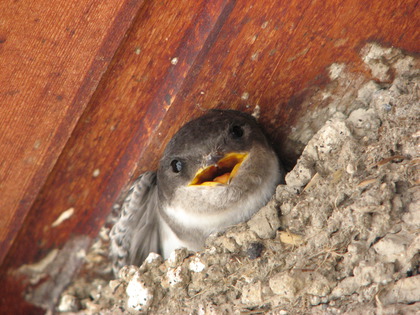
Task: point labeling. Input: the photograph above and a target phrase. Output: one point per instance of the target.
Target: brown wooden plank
(52, 56)
(271, 50)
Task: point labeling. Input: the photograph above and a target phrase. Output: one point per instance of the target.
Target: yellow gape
(220, 173)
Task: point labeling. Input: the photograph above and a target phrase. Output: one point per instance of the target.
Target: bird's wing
(135, 234)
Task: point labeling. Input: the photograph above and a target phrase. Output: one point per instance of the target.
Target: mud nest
(341, 236)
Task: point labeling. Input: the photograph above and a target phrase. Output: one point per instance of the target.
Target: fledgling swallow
(216, 171)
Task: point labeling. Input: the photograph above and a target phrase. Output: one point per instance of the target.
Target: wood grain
(178, 60)
(52, 56)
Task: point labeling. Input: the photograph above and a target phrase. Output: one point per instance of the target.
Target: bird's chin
(203, 197)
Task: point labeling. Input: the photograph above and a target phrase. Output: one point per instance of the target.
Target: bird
(215, 172)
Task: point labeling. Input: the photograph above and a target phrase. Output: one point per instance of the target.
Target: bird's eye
(176, 166)
(236, 132)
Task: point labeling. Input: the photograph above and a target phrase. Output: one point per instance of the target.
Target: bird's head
(214, 152)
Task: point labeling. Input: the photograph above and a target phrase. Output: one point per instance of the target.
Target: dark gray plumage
(215, 172)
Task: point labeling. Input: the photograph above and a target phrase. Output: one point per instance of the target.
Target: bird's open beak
(221, 172)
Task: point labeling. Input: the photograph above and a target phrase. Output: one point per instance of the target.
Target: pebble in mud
(254, 250)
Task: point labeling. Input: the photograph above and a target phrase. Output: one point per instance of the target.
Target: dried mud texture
(341, 236)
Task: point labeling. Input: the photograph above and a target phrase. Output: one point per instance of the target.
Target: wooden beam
(52, 57)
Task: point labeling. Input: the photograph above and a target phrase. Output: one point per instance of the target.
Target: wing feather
(135, 234)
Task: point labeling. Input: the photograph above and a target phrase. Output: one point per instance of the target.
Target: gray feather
(135, 234)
